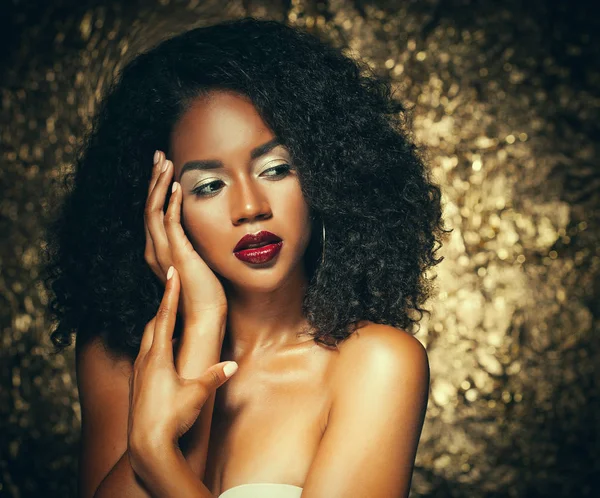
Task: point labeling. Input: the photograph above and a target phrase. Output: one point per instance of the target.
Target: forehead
(220, 125)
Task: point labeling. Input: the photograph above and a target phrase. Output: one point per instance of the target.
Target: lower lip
(258, 255)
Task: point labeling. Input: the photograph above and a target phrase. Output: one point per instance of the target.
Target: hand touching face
(167, 245)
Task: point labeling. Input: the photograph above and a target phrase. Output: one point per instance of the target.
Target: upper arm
(103, 384)
(380, 395)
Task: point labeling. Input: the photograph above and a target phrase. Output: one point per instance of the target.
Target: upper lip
(256, 238)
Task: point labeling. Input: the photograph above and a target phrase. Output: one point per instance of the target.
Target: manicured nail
(170, 273)
(174, 187)
(230, 368)
(156, 157)
(166, 165)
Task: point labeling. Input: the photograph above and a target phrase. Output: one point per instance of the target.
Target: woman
(261, 135)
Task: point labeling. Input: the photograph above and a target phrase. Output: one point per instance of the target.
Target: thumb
(217, 375)
(199, 390)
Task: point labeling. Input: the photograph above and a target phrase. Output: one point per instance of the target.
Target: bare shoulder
(100, 372)
(383, 343)
(93, 357)
(103, 385)
(382, 353)
(380, 383)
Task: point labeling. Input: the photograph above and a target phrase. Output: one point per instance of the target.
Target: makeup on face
(258, 248)
(239, 182)
(262, 246)
(277, 167)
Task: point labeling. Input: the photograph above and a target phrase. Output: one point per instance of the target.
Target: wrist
(160, 468)
(208, 325)
(147, 454)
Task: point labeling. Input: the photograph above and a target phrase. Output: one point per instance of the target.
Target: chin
(263, 278)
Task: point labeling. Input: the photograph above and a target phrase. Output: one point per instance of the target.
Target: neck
(266, 321)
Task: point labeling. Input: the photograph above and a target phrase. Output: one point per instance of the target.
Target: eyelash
(199, 190)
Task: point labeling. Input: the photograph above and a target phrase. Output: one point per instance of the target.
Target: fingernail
(170, 273)
(174, 187)
(156, 157)
(230, 368)
(166, 165)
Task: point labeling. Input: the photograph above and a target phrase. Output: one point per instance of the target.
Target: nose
(248, 203)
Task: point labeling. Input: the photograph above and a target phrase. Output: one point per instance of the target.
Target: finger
(159, 159)
(217, 375)
(147, 337)
(154, 216)
(201, 388)
(149, 251)
(167, 314)
(180, 245)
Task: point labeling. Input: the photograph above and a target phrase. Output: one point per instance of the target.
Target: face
(236, 179)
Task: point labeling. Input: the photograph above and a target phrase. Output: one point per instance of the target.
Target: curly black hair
(360, 172)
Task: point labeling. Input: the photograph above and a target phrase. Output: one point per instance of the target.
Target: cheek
(298, 215)
(201, 228)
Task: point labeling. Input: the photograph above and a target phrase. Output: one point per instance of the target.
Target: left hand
(162, 405)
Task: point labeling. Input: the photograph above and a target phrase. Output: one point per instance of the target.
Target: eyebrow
(255, 153)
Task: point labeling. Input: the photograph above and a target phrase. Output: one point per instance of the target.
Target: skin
(336, 422)
(264, 304)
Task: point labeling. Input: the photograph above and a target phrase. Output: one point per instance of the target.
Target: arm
(169, 474)
(197, 351)
(203, 303)
(163, 405)
(103, 383)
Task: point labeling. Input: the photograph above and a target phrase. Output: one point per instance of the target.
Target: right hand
(163, 404)
(167, 245)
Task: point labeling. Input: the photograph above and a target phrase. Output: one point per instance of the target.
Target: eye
(284, 168)
(211, 188)
(206, 189)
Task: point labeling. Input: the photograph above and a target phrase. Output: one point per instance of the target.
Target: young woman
(286, 225)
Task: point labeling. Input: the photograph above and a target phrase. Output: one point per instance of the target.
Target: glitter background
(506, 98)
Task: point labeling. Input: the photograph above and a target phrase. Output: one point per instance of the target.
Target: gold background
(506, 101)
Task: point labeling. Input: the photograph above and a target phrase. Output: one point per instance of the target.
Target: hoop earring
(323, 244)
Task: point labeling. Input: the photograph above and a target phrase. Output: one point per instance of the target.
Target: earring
(323, 244)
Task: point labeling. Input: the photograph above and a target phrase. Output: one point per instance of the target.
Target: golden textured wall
(506, 99)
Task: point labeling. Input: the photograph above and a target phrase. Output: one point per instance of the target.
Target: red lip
(259, 255)
(263, 237)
